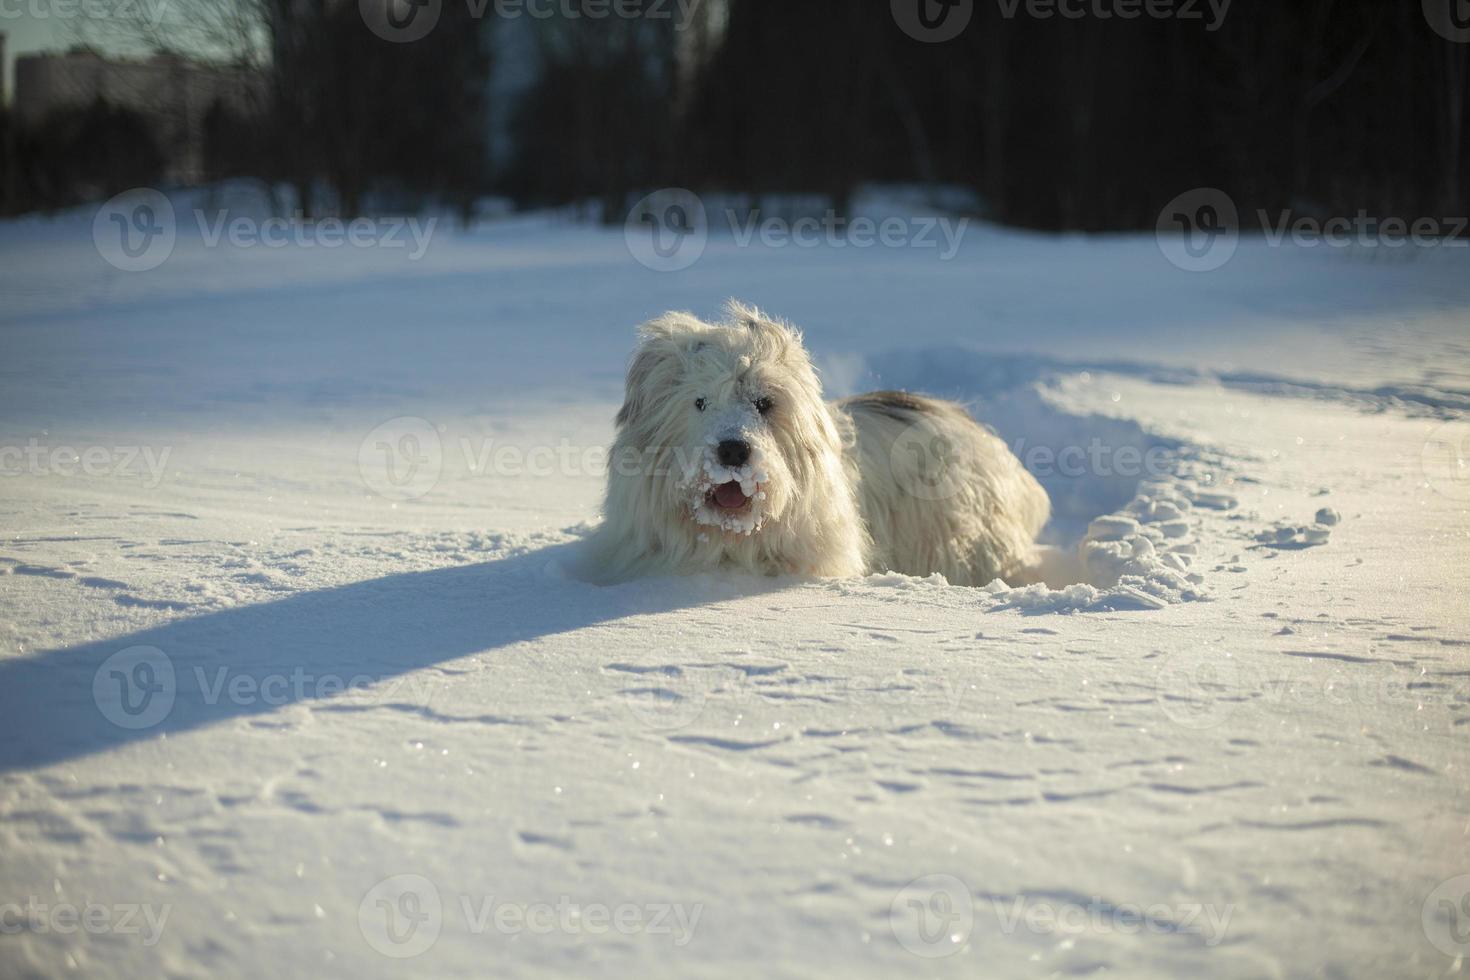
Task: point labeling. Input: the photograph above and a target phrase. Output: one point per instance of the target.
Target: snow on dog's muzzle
(727, 497)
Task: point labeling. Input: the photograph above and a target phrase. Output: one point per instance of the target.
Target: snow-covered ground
(293, 682)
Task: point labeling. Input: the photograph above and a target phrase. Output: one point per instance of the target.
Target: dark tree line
(352, 113)
(597, 123)
(1321, 106)
(93, 150)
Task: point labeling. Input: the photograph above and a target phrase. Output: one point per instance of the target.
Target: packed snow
(294, 680)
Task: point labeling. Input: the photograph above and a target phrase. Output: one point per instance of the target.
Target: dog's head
(724, 423)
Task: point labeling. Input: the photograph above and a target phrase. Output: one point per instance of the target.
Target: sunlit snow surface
(293, 683)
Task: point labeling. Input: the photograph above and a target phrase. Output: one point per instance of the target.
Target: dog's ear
(662, 342)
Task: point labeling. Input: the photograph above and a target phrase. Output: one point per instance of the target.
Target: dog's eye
(764, 405)
(699, 404)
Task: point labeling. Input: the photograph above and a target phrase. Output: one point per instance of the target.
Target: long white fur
(839, 489)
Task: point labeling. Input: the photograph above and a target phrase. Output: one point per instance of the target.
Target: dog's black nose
(733, 452)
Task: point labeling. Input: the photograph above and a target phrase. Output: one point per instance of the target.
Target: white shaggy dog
(727, 456)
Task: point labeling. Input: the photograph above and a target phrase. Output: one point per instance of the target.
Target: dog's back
(940, 493)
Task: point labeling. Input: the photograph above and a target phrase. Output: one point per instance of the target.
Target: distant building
(174, 94)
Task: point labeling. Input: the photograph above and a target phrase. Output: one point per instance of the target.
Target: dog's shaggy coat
(727, 456)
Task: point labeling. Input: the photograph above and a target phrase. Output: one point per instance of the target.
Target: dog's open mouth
(731, 498)
(728, 497)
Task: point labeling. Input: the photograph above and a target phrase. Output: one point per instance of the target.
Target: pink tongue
(729, 496)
